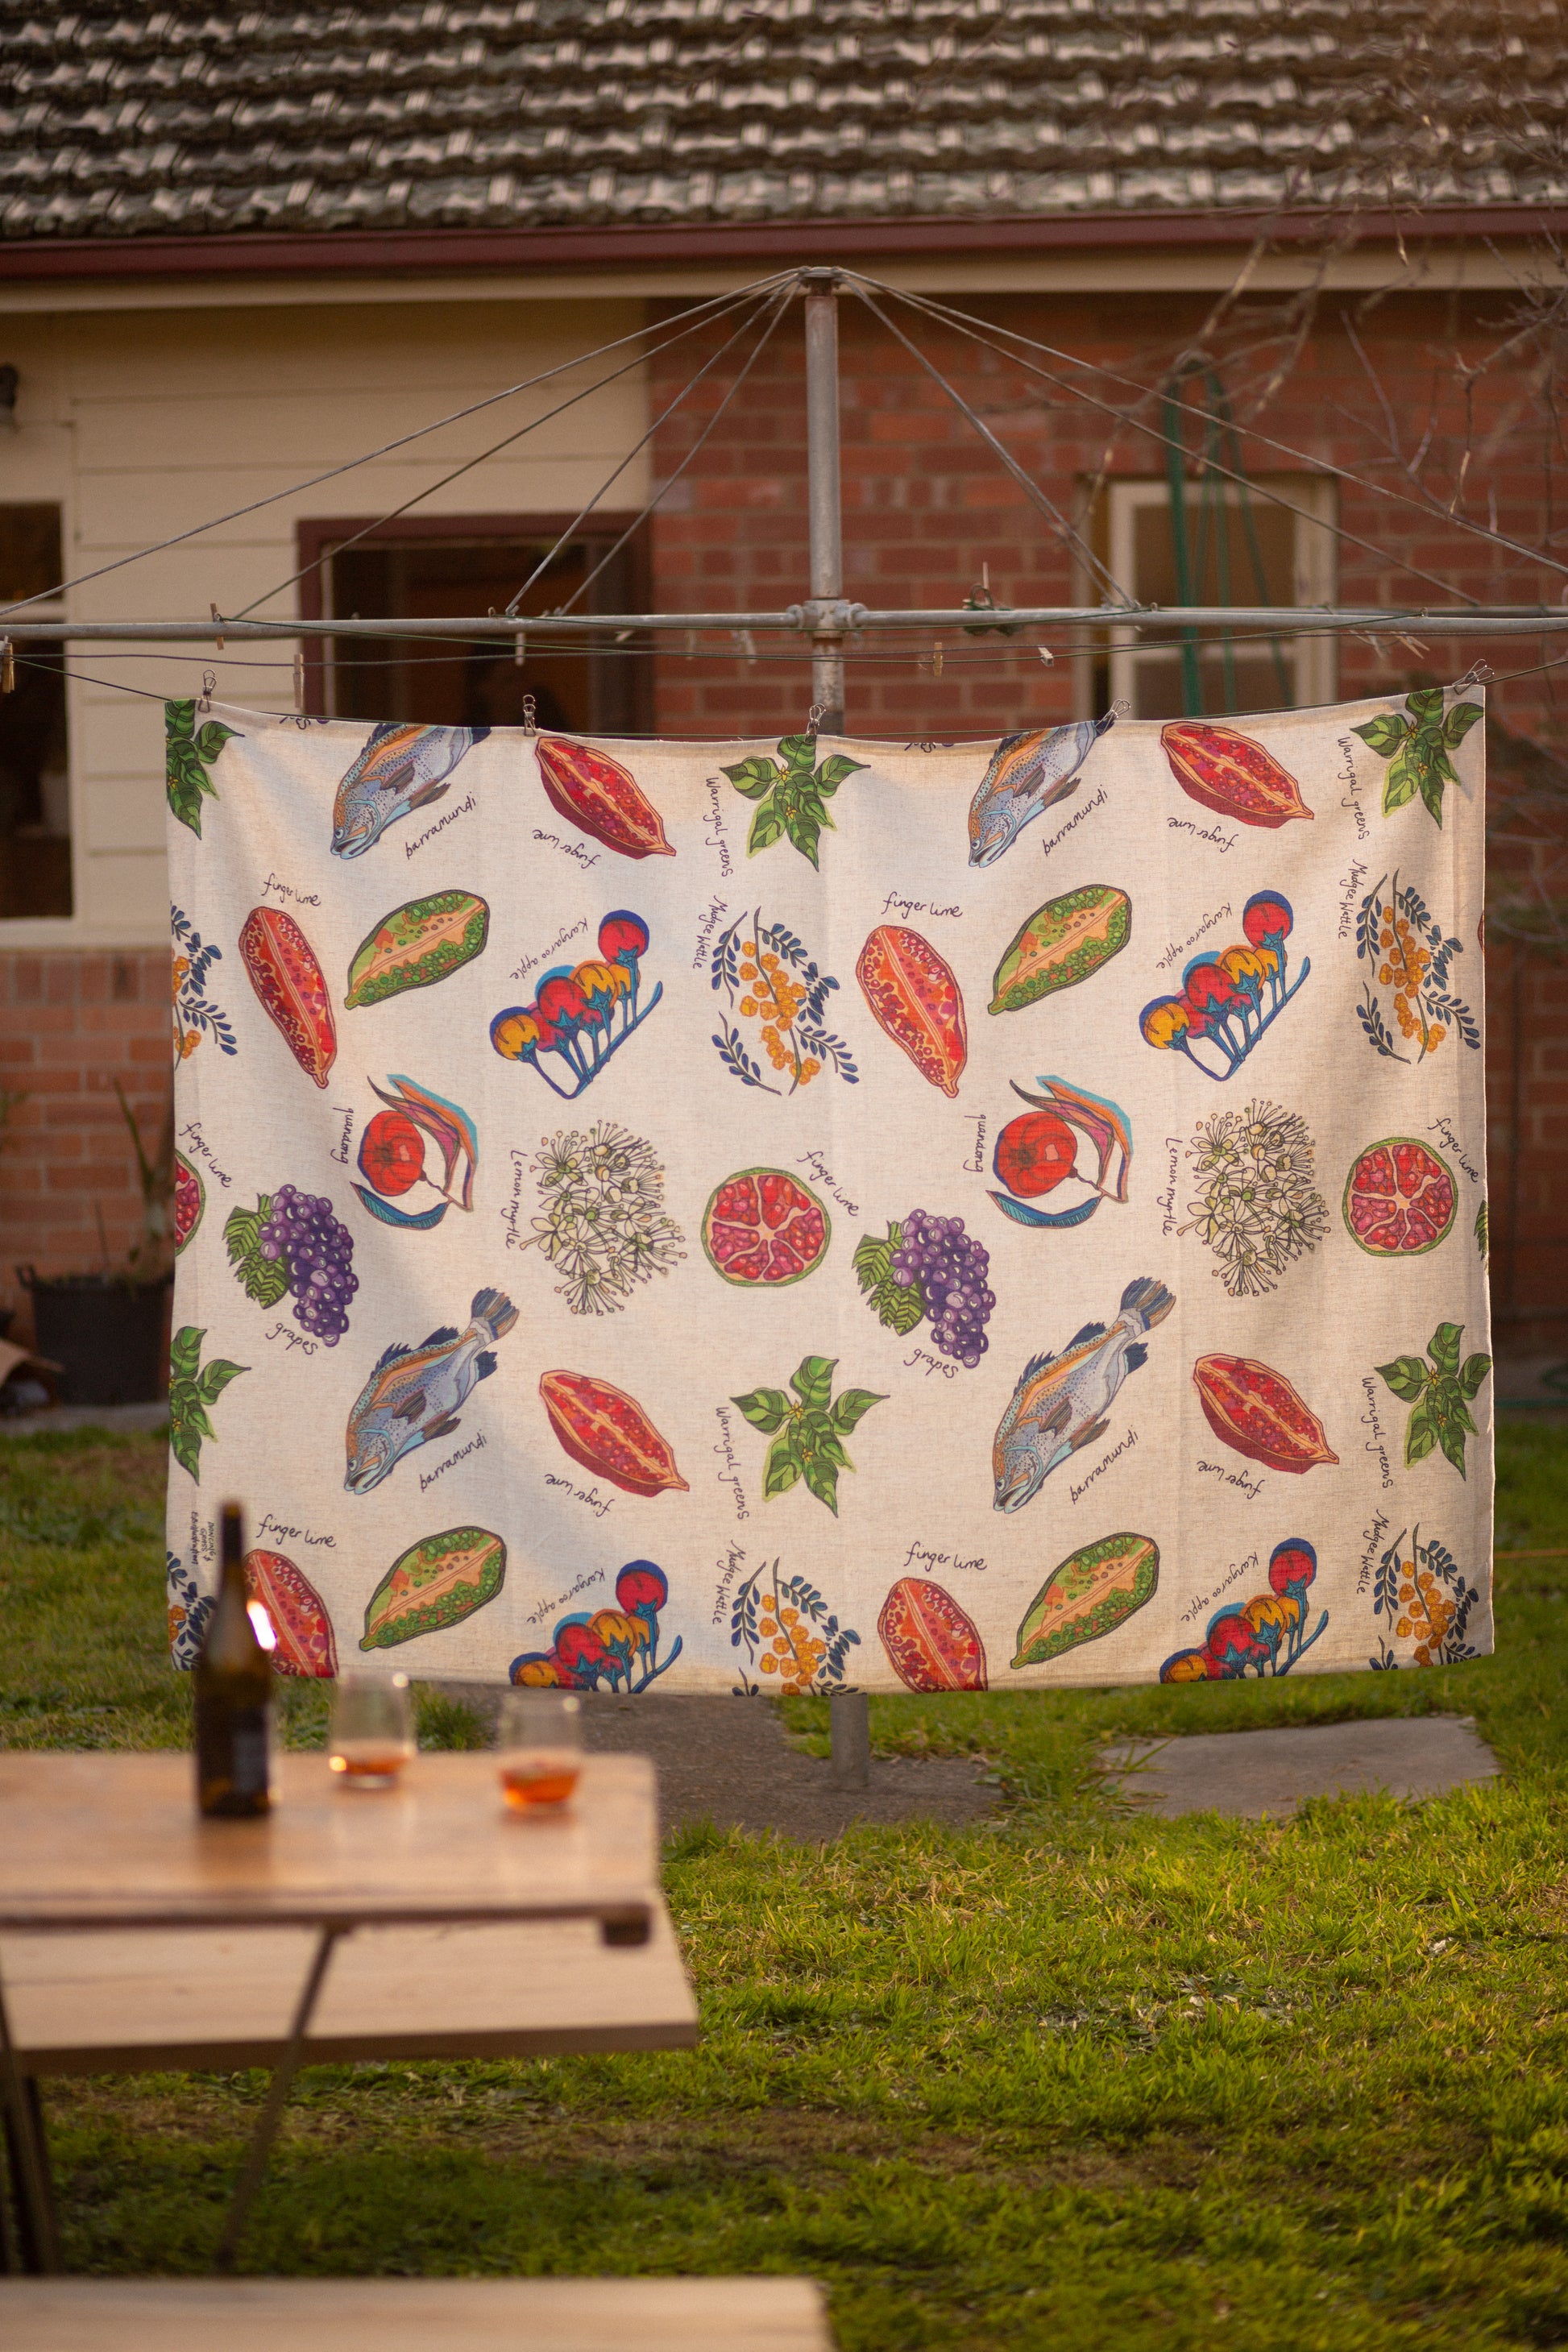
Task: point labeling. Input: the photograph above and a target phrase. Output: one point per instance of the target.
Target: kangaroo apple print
(791, 791)
(795, 1361)
(1229, 1000)
(1416, 743)
(1439, 1390)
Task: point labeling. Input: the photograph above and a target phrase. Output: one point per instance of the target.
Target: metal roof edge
(384, 251)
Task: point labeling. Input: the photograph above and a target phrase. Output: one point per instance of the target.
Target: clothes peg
(746, 645)
(520, 648)
(1046, 655)
(209, 686)
(530, 715)
(300, 682)
(7, 667)
(815, 716)
(218, 616)
(1480, 673)
(936, 657)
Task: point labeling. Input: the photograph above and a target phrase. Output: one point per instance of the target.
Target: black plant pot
(106, 1334)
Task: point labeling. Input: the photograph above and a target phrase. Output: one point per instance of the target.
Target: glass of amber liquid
(540, 1746)
(371, 1734)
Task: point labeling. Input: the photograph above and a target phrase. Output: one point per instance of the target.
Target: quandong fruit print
(795, 1362)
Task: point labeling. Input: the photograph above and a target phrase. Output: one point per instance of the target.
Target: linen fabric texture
(822, 1213)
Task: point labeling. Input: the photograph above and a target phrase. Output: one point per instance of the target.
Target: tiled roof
(142, 121)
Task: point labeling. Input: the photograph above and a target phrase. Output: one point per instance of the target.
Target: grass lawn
(1077, 2081)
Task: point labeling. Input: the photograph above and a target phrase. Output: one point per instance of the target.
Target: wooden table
(536, 2315)
(105, 1842)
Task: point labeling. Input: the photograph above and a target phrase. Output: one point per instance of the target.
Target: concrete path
(1254, 1773)
(117, 1418)
(729, 1760)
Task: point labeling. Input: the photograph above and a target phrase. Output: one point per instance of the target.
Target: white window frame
(19, 934)
(1314, 570)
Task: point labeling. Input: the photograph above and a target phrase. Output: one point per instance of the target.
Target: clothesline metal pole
(824, 508)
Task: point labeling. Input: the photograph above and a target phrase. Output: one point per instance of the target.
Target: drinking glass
(372, 1734)
(541, 1745)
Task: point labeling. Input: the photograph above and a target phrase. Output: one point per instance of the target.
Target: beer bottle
(233, 1684)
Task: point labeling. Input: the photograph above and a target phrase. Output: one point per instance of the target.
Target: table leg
(282, 2081)
(28, 2155)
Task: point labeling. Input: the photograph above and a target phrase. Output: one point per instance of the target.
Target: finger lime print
(1439, 1392)
(1265, 1635)
(1028, 773)
(1416, 743)
(583, 1016)
(611, 1648)
(1400, 1197)
(1253, 1409)
(807, 1429)
(931, 1644)
(602, 1223)
(1231, 773)
(601, 797)
(609, 1433)
(401, 767)
(392, 1158)
(1063, 943)
(291, 987)
(1039, 1156)
(1408, 959)
(1096, 1590)
(413, 1395)
(794, 1642)
(914, 996)
(792, 792)
(303, 1629)
(190, 1198)
(1229, 1000)
(767, 977)
(435, 1583)
(417, 944)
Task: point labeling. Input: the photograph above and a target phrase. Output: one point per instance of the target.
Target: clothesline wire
(148, 694)
(664, 414)
(966, 323)
(717, 302)
(1072, 539)
(1253, 485)
(781, 302)
(639, 359)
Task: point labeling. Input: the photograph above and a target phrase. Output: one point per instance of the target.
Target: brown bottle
(233, 1684)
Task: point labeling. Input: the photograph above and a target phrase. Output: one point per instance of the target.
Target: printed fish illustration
(1061, 1402)
(401, 767)
(414, 1393)
(1028, 773)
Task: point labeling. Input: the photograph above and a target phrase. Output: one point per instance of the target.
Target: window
(35, 769)
(1242, 547)
(460, 566)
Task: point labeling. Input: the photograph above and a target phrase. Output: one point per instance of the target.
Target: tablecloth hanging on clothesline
(802, 1214)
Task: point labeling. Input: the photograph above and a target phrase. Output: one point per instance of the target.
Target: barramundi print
(1028, 773)
(1061, 1402)
(401, 767)
(414, 1393)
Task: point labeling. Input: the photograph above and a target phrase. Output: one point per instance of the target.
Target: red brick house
(236, 253)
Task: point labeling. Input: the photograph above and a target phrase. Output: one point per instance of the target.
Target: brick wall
(69, 1026)
(926, 505)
